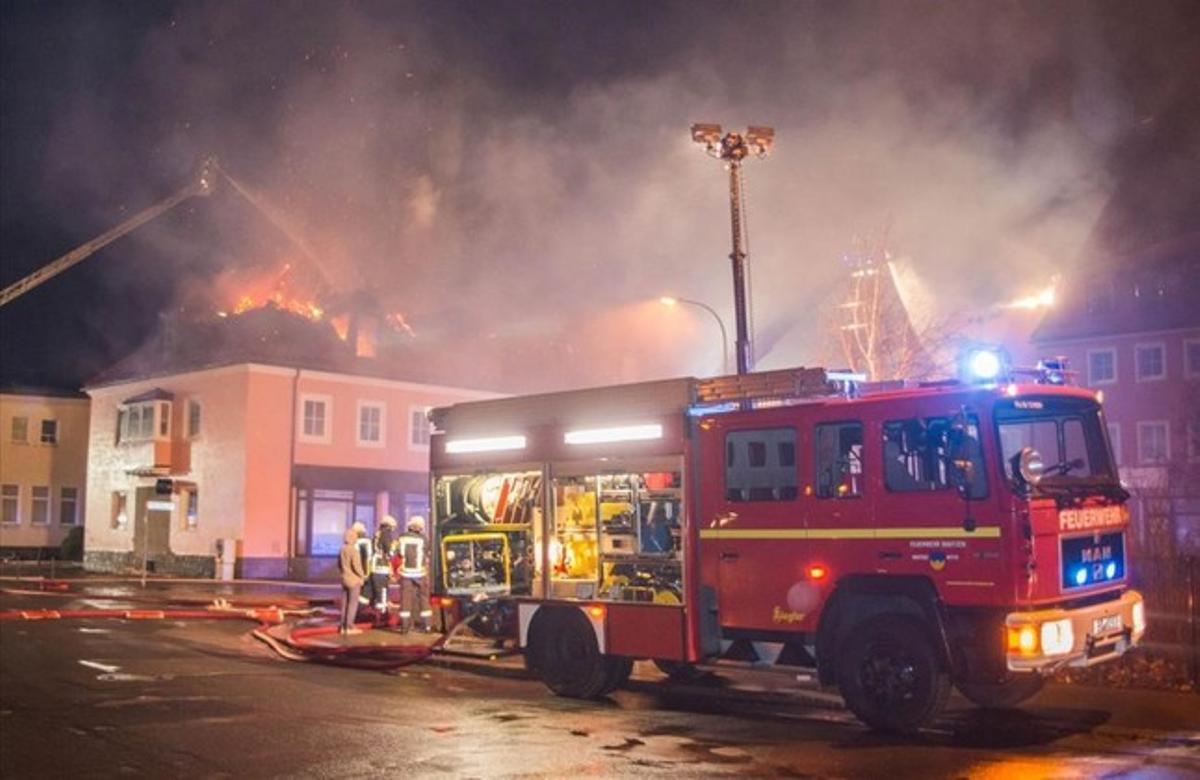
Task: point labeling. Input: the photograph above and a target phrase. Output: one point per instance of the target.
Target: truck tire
(890, 675)
(570, 661)
(1014, 690)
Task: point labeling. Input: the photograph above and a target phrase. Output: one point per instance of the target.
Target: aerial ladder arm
(202, 185)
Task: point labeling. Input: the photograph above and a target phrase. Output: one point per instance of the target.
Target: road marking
(106, 668)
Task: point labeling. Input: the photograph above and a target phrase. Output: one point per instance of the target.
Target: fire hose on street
(287, 630)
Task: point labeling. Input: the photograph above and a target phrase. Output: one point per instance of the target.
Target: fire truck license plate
(1106, 625)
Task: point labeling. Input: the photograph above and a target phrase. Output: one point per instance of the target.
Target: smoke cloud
(524, 171)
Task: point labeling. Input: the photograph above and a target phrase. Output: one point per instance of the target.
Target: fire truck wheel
(570, 660)
(890, 675)
(1013, 691)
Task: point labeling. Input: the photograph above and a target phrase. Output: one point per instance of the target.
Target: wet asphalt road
(103, 698)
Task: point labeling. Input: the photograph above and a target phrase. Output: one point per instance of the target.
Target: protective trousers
(379, 584)
(413, 601)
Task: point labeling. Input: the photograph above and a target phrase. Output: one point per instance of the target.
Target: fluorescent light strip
(486, 445)
(622, 433)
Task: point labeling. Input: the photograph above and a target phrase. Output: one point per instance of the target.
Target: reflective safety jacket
(384, 544)
(410, 555)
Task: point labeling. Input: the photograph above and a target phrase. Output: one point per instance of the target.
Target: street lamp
(733, 148)
(668, 300)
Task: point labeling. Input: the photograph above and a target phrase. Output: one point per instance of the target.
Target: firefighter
(381, 562)
(411, 572)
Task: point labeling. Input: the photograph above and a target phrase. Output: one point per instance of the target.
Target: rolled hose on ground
(297, 646)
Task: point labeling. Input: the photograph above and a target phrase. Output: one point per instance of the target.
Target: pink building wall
(241, 462)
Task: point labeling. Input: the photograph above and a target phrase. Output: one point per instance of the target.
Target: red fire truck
(900, 539)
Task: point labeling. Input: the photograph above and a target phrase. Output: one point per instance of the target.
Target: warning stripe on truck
(945, 532)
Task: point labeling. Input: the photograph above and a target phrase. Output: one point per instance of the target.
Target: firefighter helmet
(416, 524)
(388, 520)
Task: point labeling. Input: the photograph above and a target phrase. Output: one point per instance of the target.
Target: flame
(397, 322)
(1043, 299)
(272, 289)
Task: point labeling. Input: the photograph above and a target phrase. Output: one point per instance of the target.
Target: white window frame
(1142, 426)
(34, 500)
(63, 501)
(362, 405)
(326, 435)
(42, 432)
(412, 443)
(124, 436)
(1092, 381)
(1137, 363)
(12, 429)
(1190, 371)
(1114, 439)
(187, 423)
(16, 497)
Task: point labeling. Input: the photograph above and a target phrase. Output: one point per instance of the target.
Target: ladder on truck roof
(773, 388)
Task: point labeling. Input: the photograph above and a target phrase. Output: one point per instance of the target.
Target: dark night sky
(525, 165)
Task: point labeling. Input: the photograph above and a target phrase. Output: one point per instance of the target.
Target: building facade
(43, 467)
(1131, 330)
(264, 464)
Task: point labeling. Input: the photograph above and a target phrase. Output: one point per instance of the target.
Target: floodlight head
(760, 139)
(706, 134)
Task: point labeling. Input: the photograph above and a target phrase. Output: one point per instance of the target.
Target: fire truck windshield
(1068, 434)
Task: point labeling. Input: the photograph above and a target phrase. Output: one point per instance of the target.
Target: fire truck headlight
(983, 365)
(1057, 637)
(1139, 617)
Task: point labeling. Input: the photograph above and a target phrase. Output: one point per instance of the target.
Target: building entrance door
(151, 530)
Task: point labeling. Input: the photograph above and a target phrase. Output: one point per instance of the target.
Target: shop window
(932, 454)
(49, 432)
(323, 516)
(1150, 362)
(839, 453)
(10, 506)
(760, 465)
(20, 430)
(68, 506)
(39, 508)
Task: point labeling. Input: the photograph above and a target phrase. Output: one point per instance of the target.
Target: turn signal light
(595, 611)
(1023, 640)
(817, 572)
(445, 602)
